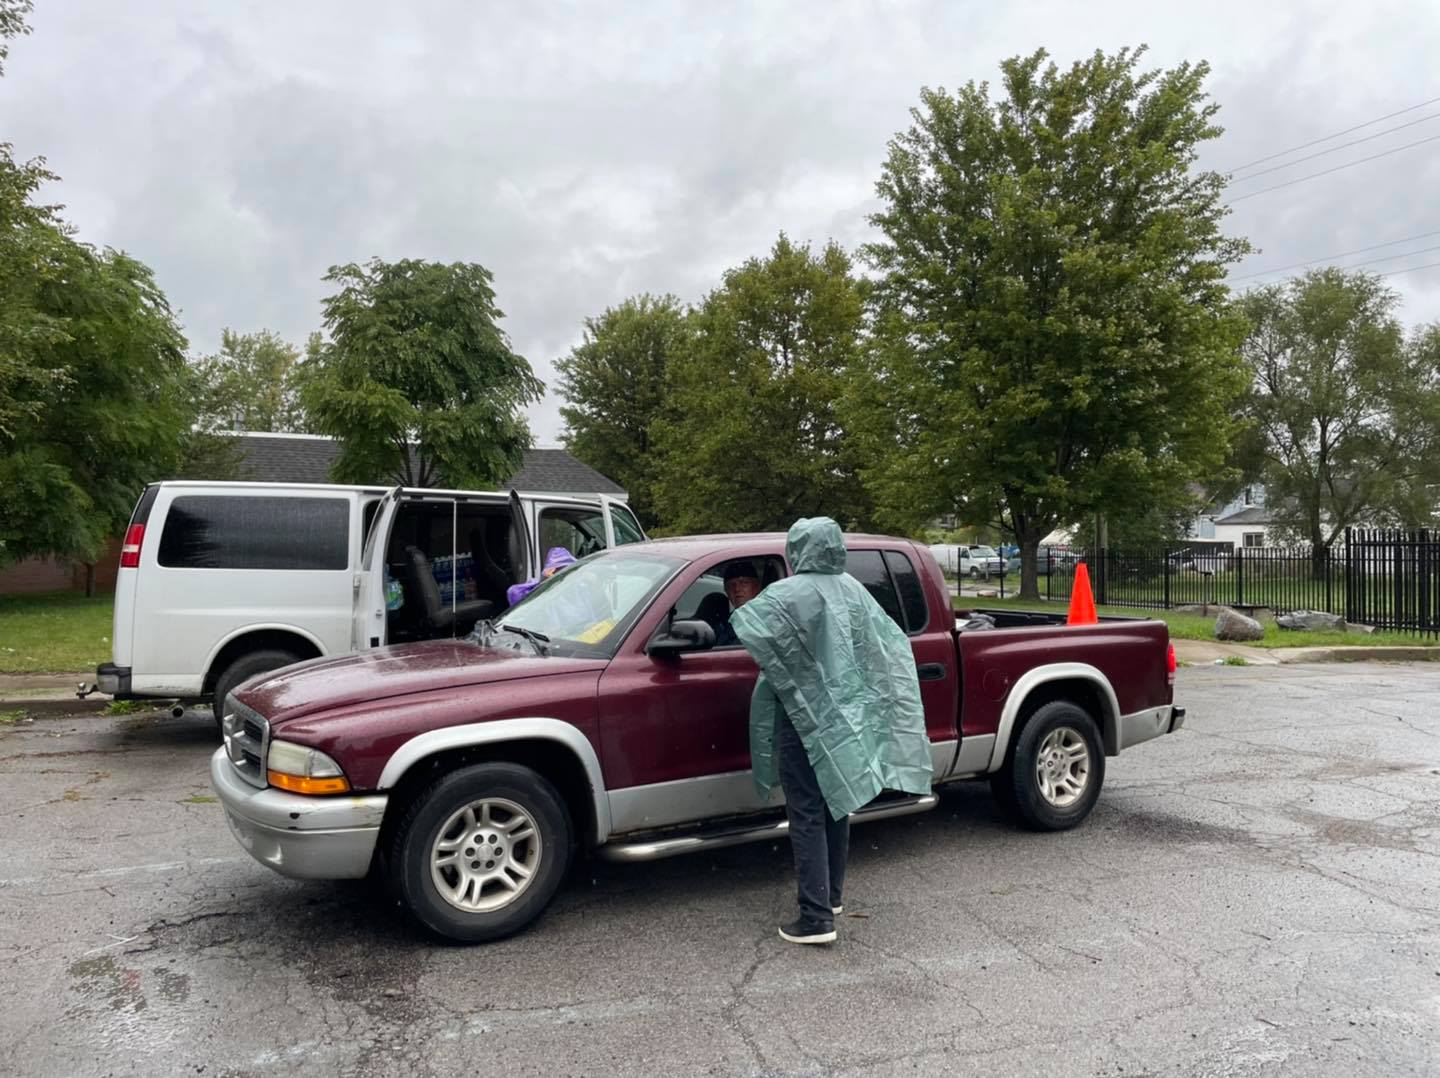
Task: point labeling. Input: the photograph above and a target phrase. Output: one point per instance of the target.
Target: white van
(219, 582)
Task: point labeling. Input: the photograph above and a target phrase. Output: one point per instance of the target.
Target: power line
(1342, 254)
(1327, 138)
(1337, 168)
(1408, 269)
(1333, 149)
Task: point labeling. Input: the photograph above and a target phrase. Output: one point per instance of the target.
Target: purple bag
(558, 558)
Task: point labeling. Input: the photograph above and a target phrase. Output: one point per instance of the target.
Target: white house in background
(1244, 520)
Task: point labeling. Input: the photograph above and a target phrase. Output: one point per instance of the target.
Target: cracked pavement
(1257, 894)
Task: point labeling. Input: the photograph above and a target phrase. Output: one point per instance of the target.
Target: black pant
(819, 843)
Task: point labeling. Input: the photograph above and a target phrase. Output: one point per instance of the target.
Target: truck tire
(974, 572)
(243, 669)
(1053, 772)
(480, 853)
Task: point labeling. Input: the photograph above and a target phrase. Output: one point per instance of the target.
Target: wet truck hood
(367, 676)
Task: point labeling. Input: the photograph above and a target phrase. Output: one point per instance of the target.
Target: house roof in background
(1255, 514)
(306, 458)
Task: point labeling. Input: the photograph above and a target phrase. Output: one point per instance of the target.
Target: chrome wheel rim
(485, 855)
(1062, 767)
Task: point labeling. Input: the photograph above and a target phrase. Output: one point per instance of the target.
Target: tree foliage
(99, 407)
(1345, 406)
(750, 438)
(92, 371)
(250, 384)
(1053, 335)
(415, 356)
(614, 385)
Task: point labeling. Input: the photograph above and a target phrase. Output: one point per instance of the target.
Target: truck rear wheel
(479, 854)
(1054, 769)
(243, 669)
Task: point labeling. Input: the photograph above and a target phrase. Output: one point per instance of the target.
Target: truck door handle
(930, 671)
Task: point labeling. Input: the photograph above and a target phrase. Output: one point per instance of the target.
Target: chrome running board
(654, 850)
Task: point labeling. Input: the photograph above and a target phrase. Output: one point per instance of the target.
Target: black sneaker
(803, 931)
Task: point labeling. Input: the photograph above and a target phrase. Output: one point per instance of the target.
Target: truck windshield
(983, 552)
(588, 608)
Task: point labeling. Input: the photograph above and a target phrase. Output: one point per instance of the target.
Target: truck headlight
(303, 770)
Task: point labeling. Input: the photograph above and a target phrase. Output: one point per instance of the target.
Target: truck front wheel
(479, 854)
(1053, 772)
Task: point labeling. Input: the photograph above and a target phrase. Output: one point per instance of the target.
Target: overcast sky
(587, 153)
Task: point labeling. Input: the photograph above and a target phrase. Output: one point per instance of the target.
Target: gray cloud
(585, 153)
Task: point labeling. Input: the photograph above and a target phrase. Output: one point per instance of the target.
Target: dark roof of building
(1255, 514)
(306, 458)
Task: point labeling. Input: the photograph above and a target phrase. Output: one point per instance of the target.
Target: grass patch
(58, 633)
(1235, 660)
(1202, 627)
(125, 707)
(10, 718)
(200, 799)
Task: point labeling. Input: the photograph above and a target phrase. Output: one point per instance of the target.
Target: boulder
(1233, 625)
(1311, 621)
(1191, 608)
(1351, 627)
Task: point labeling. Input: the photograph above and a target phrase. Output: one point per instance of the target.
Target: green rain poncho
(842, 671)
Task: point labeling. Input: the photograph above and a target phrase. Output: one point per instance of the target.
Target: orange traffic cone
(1082, 600)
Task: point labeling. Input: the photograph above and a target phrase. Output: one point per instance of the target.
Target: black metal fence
(1388, 579)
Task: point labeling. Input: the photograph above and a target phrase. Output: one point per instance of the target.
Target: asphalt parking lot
(1257, 894)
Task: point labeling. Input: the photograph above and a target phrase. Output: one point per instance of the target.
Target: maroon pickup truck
(609, 711)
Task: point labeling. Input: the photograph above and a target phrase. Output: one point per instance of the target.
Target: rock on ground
(1311, 621)
(1233, 625)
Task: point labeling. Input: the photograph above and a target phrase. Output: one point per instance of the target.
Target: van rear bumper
(113, 680)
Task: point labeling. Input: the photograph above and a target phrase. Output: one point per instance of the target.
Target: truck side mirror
(678, 637)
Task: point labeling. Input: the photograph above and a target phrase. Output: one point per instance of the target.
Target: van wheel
(1054, 769)
(974, 572)
(243, 669)
(480, 853)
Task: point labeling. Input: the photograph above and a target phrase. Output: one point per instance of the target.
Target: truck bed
(1130, 654)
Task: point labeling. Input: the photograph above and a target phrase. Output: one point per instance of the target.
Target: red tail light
(1170, 664)
(130, 552)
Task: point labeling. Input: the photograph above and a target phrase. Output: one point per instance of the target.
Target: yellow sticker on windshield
(597, 632)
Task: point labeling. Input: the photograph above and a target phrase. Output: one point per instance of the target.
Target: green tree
(416, 357)
(1053, 334)
(750, 439)
(1346, 407)
(92, 372)
(250, 384)
(108, 417)
(613, 383)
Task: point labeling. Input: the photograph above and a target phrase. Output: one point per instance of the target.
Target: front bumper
(305, 838)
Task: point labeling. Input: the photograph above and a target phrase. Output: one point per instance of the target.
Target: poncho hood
(816, 545)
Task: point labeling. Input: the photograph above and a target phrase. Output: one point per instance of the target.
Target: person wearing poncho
(836, 715)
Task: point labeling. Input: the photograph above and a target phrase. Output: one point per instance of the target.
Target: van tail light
(1170, 665)
(130, 551)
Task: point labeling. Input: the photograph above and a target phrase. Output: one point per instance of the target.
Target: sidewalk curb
(1206, 652)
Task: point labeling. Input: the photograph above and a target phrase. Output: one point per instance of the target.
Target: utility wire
(1408, 269)
(1333, 149)
(1327, 138)
(1337, 168)
(1342, 254)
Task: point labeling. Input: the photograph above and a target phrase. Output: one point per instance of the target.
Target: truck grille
(247, 736)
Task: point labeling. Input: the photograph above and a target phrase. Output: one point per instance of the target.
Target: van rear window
(227, 532)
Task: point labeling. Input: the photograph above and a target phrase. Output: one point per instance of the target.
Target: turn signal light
(1170, 665)
(304, 784)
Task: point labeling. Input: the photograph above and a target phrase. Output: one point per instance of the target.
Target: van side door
(367, 617)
